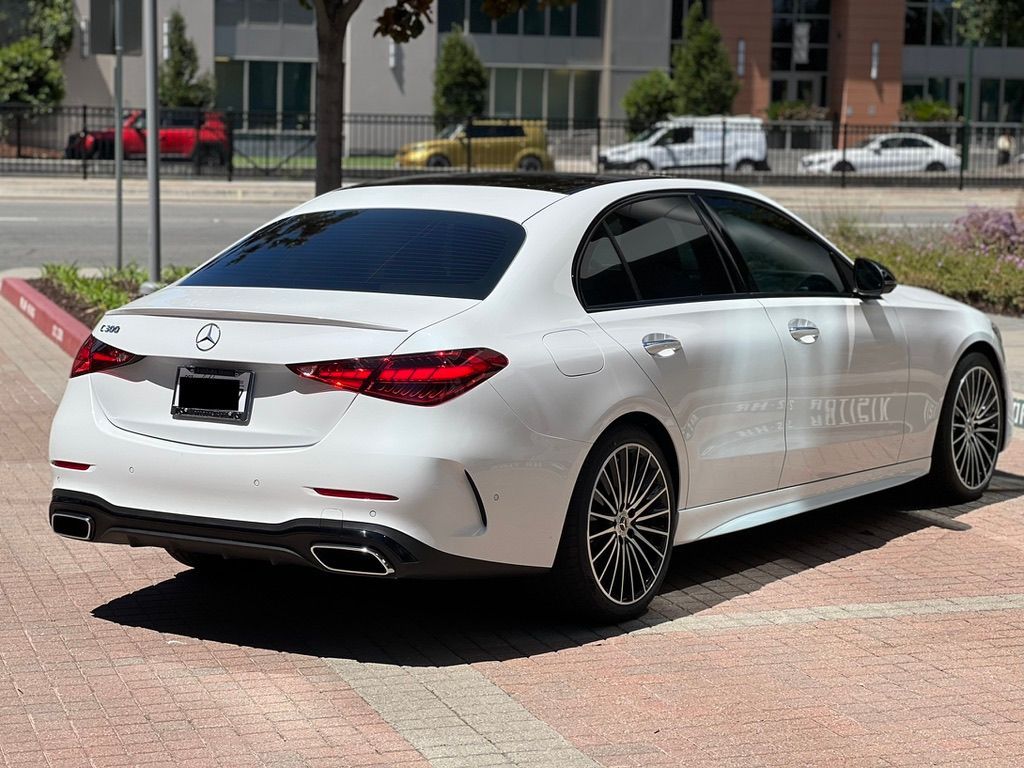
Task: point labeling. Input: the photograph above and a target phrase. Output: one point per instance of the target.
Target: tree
(34, 35)
(181, 85)
(460, 81)
(980, 20)
(401, 21)
(703, 77)
(650, 98)
(29, 74)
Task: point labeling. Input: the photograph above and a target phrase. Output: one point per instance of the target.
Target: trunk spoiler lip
(248, 316)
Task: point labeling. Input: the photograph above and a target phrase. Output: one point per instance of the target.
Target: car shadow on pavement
(440, 623)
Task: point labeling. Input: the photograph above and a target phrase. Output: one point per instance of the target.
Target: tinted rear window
(378, 250)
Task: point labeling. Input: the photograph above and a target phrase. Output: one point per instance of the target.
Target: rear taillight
(94, 355)
(426, 378)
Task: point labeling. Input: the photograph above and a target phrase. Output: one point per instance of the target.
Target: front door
(846, 356)
(654, 280)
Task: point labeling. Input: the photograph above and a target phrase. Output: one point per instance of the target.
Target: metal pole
(118, 123)
(965, 155)
(152, 136)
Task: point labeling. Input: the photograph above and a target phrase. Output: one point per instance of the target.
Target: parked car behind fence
(281, 145)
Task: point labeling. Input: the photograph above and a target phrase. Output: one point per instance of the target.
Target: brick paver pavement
(871, 633)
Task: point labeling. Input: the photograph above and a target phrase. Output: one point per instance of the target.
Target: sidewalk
(873, 633)
(805, 198)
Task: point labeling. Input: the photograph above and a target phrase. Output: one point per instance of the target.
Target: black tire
(843, 166)
(935, 167)
(642, 166)
(531, 164)
(951, 479)
(746, 166)
(580, 588)
(438, 161)
(209, 156)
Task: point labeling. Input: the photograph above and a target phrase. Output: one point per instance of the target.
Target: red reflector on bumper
(71, 465)
(338, 493)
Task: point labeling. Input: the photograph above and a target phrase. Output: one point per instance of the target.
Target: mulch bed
(29, 153)
(69, 302)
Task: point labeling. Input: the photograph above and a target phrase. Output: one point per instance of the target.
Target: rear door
(680, 146)
(652, 277)
(846, 356)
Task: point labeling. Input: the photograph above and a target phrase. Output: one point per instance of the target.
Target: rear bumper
(290, 542)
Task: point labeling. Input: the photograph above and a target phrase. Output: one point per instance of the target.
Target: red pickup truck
(209, 142)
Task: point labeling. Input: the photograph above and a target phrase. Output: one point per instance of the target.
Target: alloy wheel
(975, 428)
(629, 524)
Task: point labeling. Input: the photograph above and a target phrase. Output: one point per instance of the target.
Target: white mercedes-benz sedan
(461, 376)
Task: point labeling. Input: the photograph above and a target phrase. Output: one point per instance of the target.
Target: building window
(531, 102)
(534, 20)
(508, 25)
(262, 94)
(506, 85)
(680, 10)
(296, 79)
(557, 94)
(450, 13)
(230, 77)
(1013, 101)
(588, 18)
(264, 11)
(912, 91)
(561, 21)
(270, 94)
(800, 36)
(479, 22)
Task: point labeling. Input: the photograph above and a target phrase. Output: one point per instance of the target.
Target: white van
(693, 142)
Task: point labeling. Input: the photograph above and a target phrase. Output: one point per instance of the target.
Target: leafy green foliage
(30, 74)
(980, 261)
(52, 22)
(460, 81)
(181, 85)
(927, 111)
(703, 77)
(650, 98)
(89, 297)
(795, 110)
(981, 20)
(35, 35)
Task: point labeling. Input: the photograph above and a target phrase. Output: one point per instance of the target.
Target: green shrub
(795, 110)
(978, 261)
(649, 99)
(460, 81)
(30, 74)
(703, 77)
(927, 111)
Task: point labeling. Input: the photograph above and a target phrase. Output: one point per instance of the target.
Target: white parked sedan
(885, 153)
(470, 375)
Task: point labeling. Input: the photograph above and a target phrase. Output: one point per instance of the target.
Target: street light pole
(118, 122)
(150, 32)
(965, 154)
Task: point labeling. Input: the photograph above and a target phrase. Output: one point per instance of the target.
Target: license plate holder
(212, 394)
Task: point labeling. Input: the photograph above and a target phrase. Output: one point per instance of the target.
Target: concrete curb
(61, 328)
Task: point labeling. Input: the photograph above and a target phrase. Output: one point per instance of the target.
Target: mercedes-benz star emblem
(208, 337)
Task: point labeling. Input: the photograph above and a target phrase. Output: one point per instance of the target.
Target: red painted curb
(65, 331)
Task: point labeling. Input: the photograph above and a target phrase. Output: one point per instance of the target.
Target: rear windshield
(378, 250)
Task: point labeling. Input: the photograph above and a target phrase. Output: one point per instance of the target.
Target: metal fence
(80, 140)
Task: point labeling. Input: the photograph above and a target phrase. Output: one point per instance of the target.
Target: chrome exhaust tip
(348, 558)
(71, 526)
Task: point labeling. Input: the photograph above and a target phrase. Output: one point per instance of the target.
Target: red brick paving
(111, 656)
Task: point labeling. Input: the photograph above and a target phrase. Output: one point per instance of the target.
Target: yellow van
(519, 145)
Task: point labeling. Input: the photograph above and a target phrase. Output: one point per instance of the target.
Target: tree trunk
(332, 17)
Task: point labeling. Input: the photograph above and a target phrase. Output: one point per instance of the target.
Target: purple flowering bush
(978, 260)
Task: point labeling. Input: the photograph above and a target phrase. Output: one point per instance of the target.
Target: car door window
(603, 280)
(890, 143)
(664, 254)
(916, 144)
(781, 256)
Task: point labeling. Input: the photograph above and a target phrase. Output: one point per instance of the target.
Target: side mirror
(872, 278)
(876, 149)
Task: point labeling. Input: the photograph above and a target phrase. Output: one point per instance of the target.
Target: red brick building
(843, 55)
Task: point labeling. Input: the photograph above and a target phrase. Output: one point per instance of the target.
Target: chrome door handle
(804, 331)
(661, 345)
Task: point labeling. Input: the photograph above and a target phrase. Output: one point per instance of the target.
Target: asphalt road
(34, 232)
